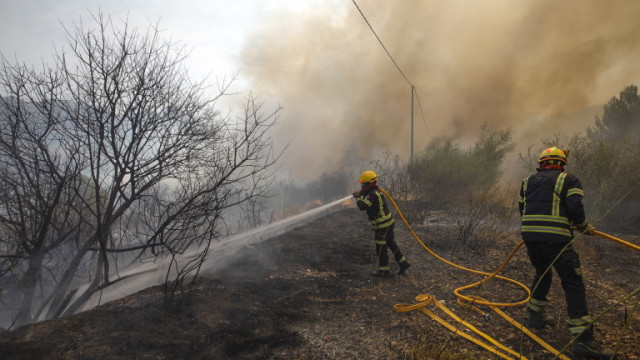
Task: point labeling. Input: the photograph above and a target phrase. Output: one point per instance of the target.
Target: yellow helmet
(553, 156)
(368, 176)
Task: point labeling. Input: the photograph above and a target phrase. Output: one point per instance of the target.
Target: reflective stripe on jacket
(550, 202)
(376, 207)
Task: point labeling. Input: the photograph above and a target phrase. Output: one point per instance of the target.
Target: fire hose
(470, 302)
(619, 241)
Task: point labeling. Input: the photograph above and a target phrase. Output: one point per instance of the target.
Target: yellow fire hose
(470, 301)
(424, 300)
(490, 276)
(619, 241)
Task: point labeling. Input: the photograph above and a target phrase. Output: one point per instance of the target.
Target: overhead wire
(422, 114)
(632, 246)
(395, 64)
(382, 44)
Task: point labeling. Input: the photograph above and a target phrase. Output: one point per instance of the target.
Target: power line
(396, 65)
(380, 41)
(422, 114)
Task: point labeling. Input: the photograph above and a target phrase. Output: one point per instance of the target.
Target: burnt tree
(143, 163)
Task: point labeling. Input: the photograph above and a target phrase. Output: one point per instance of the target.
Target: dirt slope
(308, 294)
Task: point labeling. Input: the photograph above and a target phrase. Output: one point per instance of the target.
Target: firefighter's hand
(356, 193)
(587, 229)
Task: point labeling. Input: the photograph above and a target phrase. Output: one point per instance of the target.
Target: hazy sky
(215, 30)
(536, 67)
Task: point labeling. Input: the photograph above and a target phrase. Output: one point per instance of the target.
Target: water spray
(140, 276)
(222, 251)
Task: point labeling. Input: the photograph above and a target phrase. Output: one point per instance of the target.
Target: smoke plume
(536, 67)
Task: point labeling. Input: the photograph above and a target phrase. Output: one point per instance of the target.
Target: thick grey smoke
(537, 67)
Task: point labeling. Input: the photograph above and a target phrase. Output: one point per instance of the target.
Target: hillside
(307, 294)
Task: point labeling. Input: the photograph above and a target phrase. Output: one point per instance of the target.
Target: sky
(536, 67)
(213, 30)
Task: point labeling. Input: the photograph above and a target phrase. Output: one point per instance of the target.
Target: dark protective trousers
(567, 266)
(385, 240)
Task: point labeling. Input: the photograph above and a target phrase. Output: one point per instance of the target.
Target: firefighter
(371, 200)
(551, 206)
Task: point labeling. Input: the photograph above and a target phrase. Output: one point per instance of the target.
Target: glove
(587, 229)
(356, 193)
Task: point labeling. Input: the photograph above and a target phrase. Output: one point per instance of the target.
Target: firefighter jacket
(376, 206)
(550, 203)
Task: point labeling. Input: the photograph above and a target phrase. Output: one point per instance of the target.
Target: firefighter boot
(585, 347)
(538, 321)
(403, 267)
(381, 273)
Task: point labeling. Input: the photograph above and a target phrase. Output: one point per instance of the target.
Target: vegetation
(112, 155)
(445, 174)
(620, 119)
(481, 219)
(605, 158)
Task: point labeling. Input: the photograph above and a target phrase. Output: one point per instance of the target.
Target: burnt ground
(308, 294)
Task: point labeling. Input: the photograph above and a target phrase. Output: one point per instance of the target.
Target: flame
(347, 202)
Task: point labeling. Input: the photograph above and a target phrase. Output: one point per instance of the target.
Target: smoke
(530, 66)
(221, 253)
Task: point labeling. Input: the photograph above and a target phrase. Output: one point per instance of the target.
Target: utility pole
(411, 159)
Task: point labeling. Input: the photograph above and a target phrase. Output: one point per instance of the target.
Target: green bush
(445, 171)
(609, 173)
(605, 158)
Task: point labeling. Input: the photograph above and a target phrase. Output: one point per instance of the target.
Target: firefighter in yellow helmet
(550, 207)
(371, 200)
